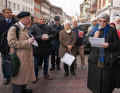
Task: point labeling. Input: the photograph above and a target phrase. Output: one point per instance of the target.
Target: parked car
(84, 27)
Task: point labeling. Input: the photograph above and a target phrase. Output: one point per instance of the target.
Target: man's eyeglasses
(104, 21)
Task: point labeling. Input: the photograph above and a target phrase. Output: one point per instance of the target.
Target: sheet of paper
(96, 42)
(35, 43)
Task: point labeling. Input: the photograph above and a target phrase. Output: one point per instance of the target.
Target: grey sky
(71, 7)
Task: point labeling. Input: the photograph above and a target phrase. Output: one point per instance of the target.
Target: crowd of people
(37, 42)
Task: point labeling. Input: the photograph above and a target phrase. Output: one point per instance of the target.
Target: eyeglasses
(118, 21)
(42, 19)
(104, 21)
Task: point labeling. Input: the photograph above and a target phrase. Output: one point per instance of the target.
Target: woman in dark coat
(102, 71)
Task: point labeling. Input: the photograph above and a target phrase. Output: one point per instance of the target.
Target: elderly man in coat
(23, 47)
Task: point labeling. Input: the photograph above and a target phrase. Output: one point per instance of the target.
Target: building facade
(3, 4)
(96, 8)
(42, 8)
(46, 9)
(21, 5)
(110, 7)
(84, 11)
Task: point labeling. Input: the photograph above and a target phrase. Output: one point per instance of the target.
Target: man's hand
(69, 47)
(106, 45)
(31, 40)
(44, 37)
(12, 50)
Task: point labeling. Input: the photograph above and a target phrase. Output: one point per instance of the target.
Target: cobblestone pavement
(60, 84)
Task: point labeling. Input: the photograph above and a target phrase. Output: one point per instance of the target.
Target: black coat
(37, 30)
(101, 80)
(4, 27)
(56, 42)
(114, 60)
(79, 40)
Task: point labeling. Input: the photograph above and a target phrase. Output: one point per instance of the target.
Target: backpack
(17, 31)
(15, 61)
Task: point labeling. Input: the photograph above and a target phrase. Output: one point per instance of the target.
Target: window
(18, 7)
(9, 4)
(14, 6)
(23, 9)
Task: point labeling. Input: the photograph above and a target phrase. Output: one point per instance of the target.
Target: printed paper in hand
(35, 43)
(96, 42)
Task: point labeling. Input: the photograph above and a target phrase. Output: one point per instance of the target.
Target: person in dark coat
(101, 69)
(115, 46)
(43, 34)
(33, 31)
(79, 43)
(55, 59)
(6, 21)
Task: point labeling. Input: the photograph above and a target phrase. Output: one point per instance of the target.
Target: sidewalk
(60, 84)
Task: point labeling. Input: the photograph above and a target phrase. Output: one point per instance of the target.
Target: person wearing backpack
(24, 51)
(6, 21)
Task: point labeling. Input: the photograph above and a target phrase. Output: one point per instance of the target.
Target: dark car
(84, 27)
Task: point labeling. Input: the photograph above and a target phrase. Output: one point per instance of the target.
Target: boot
(7, 81)
(66, 74)
(27, 90)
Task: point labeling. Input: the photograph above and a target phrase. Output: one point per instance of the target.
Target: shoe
(27, 90)
(66, 74)
(73, 73)
(47, 77)
(40, 67)
(52, 69)
(58, 68)
(6, 82)
(34, 82)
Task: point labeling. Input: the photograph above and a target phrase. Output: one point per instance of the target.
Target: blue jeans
(6, 66)
(36, 65)
(38, 61)
(45, 60)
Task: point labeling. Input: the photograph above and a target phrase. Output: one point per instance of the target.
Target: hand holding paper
(35, 43)
(97, 42)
